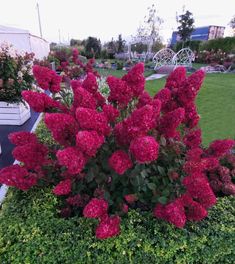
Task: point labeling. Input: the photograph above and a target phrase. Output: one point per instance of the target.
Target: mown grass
(215, 102)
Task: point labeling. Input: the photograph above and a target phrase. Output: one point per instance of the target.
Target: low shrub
(192, 44)
(225, 44)
(15, 73)
(127, 151)
(30, 232)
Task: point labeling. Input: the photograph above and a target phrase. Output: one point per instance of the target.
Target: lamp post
(39, 20)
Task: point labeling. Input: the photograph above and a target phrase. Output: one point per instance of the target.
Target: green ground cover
(32, 233)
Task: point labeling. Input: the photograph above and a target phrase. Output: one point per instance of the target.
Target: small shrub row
(31, 232)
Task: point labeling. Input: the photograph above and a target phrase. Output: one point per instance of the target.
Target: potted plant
(15, 77)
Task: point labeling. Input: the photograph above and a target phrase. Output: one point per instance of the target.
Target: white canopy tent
(22, 40)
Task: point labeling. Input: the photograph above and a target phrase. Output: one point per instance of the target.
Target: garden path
(155, 76)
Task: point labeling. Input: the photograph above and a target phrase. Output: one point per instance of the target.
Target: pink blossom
(72, 158)
(110, 112)
(90, 83)
(95, 208)
(120, 162)
(63, 187)
(173, 212)
(33, 155)
(64, 127)
(89, 119)
(17, 176)
(89, 142)
(170, 121)
(135, 79)
(120, 92)
(193, 139)
(21, 138)
(219, 148)
(108, 227)
(144, 149)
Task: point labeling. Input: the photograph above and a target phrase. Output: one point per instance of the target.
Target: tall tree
(149, 30)
(232, 25)
(111, 48)
(75, 42)
(120, 44)
(186, 25)
(92, 47)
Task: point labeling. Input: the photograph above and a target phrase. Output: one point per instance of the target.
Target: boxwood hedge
(31, 232)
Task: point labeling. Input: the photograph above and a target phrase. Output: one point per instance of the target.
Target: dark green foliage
(120, 65)
(139, 47)
(75, 42)
(120, 44)
(225, 44)
(111, 49)
(30, 232)
(192, 44)
(92, 47)
(186, 27)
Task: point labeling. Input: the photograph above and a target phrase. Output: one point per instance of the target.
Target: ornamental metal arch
(167, 56)
(163, 57)
(184, 57)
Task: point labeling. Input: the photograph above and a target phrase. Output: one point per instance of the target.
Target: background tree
(75, 42)
(92, 47)
(139, 47)
(149, 30)
(120, 44)
(232, 24)
(186, 25)
(111, 49)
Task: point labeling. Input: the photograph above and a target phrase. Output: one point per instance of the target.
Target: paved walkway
(155, 76)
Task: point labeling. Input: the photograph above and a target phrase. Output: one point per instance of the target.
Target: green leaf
(90, 176)
(162, 200)
(151, 185)
(161, 170)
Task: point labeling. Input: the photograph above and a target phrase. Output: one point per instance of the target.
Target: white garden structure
(167, 57)
(23, 41)
(145, 55)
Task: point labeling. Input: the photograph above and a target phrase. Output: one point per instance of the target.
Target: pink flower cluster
(129, 133)
(41, 102)
(108, 226)
(120, 162)
(47, 79)
(32, 154)
(18, 176)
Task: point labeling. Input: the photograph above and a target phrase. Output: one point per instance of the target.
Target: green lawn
(215, 102)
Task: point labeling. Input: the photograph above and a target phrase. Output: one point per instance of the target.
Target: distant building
(201, 33)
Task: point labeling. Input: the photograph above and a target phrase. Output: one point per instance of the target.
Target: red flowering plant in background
(130, 151)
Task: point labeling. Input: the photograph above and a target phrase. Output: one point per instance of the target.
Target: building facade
(201, 33)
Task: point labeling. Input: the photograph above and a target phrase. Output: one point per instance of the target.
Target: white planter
(14, 114)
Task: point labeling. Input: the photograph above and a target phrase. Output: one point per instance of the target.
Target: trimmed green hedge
(30, 232)
(225, 44)
(192, 44)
